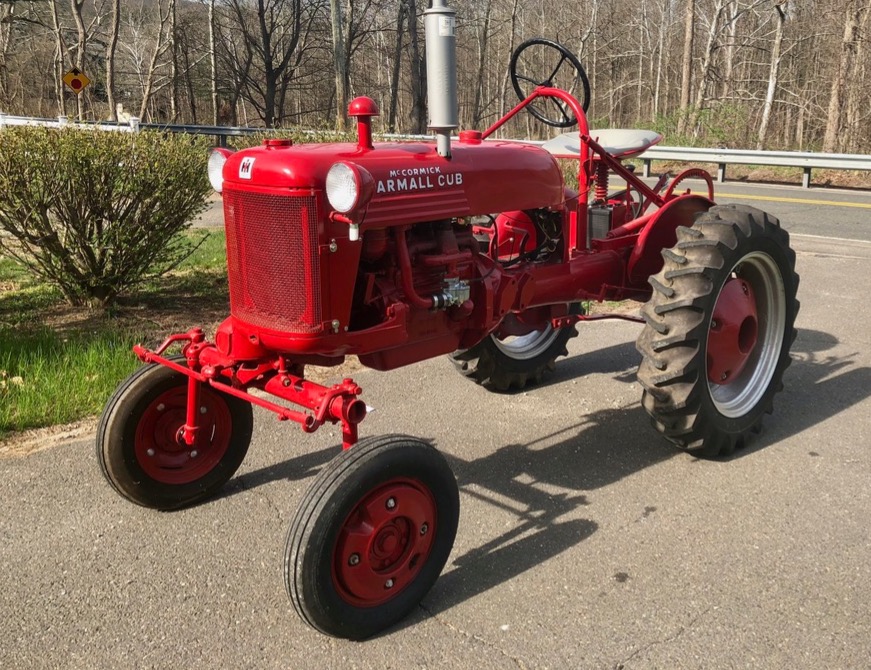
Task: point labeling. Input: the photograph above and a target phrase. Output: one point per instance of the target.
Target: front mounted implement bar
(206, 365)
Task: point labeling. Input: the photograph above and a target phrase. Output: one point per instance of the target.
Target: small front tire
(371, 536)
(139, 446)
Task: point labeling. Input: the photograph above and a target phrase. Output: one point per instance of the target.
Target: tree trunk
(173, 62)
(60, 50)
(394, 74)
(503, 96)
(159, 49)
(855, 90)
(686, 66)
(773, 74)
(81, 46)
(418, 73)
(832, 140)
(213, 64)
(114, 29)
(340, 62)
(483, 37)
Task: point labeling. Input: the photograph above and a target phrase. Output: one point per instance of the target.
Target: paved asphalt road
(585, 540)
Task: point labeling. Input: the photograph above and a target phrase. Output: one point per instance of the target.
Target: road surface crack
(620, 665)
(471, 636)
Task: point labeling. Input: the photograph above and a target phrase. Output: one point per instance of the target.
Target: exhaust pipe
(441, 73)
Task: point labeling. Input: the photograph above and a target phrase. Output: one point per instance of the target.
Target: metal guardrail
(720, 157)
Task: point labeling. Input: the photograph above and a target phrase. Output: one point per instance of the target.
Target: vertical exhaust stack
(441, 73)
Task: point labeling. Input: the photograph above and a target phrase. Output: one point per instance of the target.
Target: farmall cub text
(398, 252)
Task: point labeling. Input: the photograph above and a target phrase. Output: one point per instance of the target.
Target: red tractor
(476, 248)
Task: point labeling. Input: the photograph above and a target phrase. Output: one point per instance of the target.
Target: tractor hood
(412, 182)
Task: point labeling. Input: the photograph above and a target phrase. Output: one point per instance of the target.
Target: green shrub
(96, 213)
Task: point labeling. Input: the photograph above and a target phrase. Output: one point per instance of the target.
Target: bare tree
(773, 72)
(340, 61)
(114, 31)
(853, 10)
(686, 64)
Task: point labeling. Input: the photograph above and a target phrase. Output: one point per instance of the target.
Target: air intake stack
(441, 73)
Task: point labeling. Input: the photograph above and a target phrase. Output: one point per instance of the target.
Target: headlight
(342, 187)
(217, 158)
(349, 187)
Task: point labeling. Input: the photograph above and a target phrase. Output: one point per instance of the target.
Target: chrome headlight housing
(217, 157)
(349, 187)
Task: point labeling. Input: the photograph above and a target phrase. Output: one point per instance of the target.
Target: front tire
(720, 324)
(371, 536)
(138, 443)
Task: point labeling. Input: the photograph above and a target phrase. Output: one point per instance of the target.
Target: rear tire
(138, 446)
(720, 324)
(513, 363)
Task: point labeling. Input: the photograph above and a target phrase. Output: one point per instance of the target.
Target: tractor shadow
(546, 482)
(817, 386)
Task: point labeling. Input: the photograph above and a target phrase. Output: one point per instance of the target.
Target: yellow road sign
(76, 80)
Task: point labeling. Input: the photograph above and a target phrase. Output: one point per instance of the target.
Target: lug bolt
(715, 324)
(388, 584)
(150, 452)
(424, 529)
(161, 407)
(723, 376)
(203, 410)
(354, 559)
(194, 453)
(744, 288)
(391, 503)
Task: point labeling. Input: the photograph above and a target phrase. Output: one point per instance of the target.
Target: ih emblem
(246, 167)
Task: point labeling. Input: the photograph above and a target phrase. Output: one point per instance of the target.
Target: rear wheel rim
(159, 449)
(525, 347)
(757, 331)
(384, 543)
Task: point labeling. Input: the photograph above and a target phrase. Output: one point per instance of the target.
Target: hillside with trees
(790, 74)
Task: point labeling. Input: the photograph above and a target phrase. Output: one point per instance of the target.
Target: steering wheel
(537, 55)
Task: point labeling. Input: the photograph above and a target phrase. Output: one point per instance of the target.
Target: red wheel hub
(384, 543)
(162, 453)
(733, 333)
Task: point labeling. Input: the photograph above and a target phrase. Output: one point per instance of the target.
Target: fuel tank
(412, 181)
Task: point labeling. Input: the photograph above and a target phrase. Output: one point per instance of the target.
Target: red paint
(159, 445)
(412, 282)
(384, 543)
(733, 333)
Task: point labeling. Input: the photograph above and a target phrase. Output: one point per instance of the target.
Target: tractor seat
(619, 142)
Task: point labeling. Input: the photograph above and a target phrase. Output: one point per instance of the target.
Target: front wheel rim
(737, 381)
(159, 448)
(384, 543)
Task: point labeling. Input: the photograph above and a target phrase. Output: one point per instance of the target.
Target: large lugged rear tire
(514, 362)
(719, 327)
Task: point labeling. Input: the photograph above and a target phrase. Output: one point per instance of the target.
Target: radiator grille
(272, 260)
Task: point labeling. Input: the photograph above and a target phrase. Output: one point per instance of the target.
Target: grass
(47, 378)
(60, 364)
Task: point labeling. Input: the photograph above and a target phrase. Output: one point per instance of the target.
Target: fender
(659, 233)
